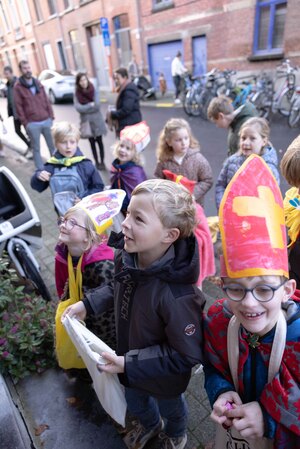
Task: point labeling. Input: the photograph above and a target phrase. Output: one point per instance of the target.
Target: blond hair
(173, 204)
(219, 104)
(290, 163)
(137, 157)
(261, 125)
(93, 238)
(61, 130)
(164, 151)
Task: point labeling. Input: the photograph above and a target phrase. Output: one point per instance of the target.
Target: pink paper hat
(252, 223)
(138, 134)
(102, 207)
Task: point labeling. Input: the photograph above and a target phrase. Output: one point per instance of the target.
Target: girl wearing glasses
(81, 246)
(252, 337)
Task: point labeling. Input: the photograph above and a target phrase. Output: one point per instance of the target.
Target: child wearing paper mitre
(179, 152)
(67, 164)
(158, 310)
(290, 169)
(83, 261)
(127, 170)
(252, 337)
(254, 139)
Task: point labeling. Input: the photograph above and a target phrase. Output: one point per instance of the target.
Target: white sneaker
(177, 101)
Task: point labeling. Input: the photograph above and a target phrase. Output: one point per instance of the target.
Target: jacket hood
(95, 254)
(270, 155)
(246, 110)
(179, 265)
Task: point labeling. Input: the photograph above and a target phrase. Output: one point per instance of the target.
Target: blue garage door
(199, 55)
(160, 59)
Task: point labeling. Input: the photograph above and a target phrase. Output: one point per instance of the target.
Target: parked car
(3, 88)
(59, 84)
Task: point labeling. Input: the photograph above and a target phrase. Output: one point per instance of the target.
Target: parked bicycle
(191, 100)
(279, 96)
(294, 117)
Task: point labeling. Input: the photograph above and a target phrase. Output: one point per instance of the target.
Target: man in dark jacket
(128, 102)
(34, 110)
(11, 109)
(221, 112)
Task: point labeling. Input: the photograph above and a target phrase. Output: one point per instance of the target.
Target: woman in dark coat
(92, 126)
(127, 110)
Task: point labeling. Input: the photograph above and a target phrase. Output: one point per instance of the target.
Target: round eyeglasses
(69, 223)
(262, 292)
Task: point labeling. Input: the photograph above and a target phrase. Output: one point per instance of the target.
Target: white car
(58, 84)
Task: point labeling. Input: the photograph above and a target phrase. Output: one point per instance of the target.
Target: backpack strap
(276, 352)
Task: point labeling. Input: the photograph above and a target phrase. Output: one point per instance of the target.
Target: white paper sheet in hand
(107, 386)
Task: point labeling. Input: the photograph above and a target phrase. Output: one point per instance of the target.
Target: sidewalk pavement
(166, 101)
(56, 413)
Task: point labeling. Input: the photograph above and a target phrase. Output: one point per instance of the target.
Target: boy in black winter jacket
(158, 310)
(67, 171)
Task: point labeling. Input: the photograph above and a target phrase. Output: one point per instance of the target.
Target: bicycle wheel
(187, 105)
(263, 104)
(205, 98)
(294, 117)
(191, 104)
(284, 104)
(31, 272)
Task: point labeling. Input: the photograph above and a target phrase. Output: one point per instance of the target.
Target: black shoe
(101, 166)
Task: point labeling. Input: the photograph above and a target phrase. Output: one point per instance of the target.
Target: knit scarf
(292, 215)
(66, 161)
(87, 95)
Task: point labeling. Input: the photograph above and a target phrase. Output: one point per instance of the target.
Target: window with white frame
(159, 5)
(67, 4)
(76, 49)
(123, 40)
(269, 27)
(4, 17)
(23, 5)
(14, 18)
(38, 11)
(52, 7)
(23, 53)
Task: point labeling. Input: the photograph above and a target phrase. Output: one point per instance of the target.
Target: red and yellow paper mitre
(179, 179)
(102, 207)
(252, 223)
(139, 134)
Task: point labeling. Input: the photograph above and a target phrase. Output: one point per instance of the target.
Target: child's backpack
(65, 185)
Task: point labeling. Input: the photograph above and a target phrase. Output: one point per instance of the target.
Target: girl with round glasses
(86, 250)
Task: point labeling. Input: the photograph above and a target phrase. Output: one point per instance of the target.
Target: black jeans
(176, 81)
(22, 136)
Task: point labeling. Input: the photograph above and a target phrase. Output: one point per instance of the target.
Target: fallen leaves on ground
(74, 402)
(40, 429)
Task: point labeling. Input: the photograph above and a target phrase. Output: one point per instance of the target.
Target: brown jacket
(194, 167)
(29, 107)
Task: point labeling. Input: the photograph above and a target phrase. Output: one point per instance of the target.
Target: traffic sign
(106, 38)
(105, 31)
(104, 23)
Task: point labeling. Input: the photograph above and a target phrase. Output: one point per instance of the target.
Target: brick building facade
(244, 35)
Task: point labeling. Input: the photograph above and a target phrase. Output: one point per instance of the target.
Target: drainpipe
(140, 31)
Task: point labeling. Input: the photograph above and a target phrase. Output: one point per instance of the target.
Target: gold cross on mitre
(264, 206)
